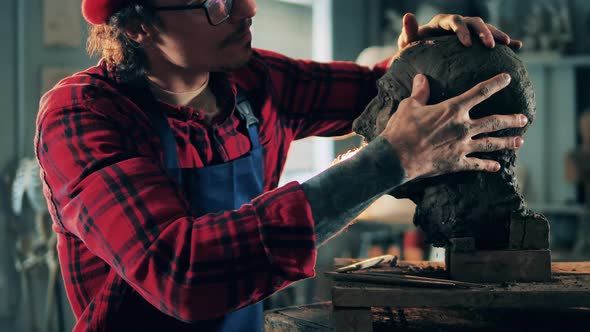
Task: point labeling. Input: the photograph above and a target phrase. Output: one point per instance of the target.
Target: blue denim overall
(218, 188)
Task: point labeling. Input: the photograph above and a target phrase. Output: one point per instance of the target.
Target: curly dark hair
(112, 43)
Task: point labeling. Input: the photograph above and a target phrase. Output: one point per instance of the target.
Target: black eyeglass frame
(204, 5)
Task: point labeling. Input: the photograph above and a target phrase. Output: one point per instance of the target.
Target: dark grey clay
(468, 204)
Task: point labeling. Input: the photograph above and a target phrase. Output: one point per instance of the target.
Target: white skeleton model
(36, 248)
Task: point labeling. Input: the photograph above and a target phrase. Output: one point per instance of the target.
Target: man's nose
(243, 9)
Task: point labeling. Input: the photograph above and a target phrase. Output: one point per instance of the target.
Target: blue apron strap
(137, 90)
(160, 123)
(245, 109)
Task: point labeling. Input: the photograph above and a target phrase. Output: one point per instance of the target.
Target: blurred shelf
(561, 209)
(554, 59)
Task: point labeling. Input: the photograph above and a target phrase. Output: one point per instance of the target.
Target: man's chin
(239, 62)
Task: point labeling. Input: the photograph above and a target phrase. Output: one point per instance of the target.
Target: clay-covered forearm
(343, 191)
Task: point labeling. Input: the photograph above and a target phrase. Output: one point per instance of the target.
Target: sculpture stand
(497, 266)
(526, 259)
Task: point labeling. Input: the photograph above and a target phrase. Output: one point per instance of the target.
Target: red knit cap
(99, 11)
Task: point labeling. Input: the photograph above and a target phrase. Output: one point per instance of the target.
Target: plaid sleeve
(321, 99)
(110, 191)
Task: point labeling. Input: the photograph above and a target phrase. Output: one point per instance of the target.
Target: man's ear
(140, 33)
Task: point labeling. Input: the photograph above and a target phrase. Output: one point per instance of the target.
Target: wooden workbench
(319, 318)
(570, 288)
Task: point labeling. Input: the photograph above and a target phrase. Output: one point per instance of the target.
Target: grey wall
(274, 27)
(37, 56)
(350, 28)
(7, 153)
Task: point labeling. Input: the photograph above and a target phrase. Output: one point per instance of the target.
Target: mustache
(238, 33)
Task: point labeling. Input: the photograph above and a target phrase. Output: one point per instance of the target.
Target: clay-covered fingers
(420, 89)
(463, 27)
(499, 35)
(493, 123)
(457, 24)
(492, 144)
(478, 93)
(503, 38)
(409, 32)
(479, 27)
(515, 44)
(476, 164)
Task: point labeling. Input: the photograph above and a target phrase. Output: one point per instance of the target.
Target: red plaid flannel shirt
(122, 223)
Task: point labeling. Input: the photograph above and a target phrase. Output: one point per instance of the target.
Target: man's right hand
(432, 140)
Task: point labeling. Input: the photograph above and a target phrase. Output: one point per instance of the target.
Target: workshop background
(43, 41)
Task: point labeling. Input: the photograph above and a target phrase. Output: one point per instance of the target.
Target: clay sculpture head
(479, 205)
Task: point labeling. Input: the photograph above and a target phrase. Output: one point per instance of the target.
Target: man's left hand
(463, 27)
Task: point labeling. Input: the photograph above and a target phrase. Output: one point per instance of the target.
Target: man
(161, 164)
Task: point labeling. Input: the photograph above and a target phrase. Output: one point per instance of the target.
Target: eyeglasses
(217, 11)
